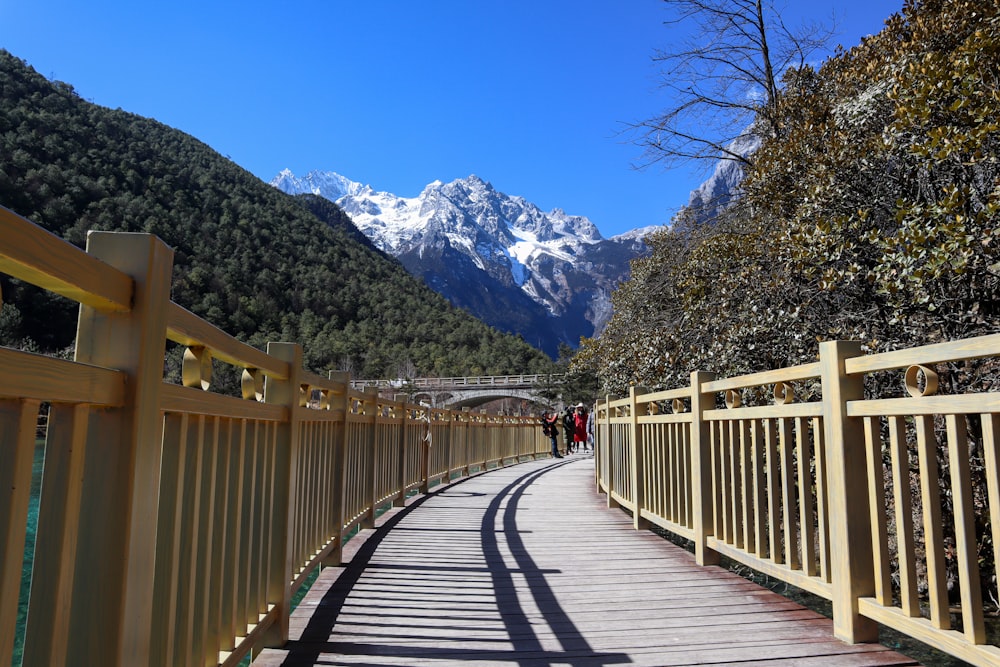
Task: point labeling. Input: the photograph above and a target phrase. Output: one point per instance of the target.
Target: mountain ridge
(547, 276)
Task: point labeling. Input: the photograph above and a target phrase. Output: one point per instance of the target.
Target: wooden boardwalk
(527, 566)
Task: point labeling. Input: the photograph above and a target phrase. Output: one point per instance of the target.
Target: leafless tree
(406, 369)
(724, 79)
(347, 363)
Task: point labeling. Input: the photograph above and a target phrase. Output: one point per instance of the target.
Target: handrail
(821, 494)
(31, 254)
(175, 523)
(36, 377)
(189, 330)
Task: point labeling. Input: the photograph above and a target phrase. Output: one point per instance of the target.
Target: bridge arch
(475, 398)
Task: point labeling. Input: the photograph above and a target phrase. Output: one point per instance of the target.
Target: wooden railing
(822, 493)
(175, 523)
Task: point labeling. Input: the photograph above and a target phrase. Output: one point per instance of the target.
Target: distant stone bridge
(466, 391)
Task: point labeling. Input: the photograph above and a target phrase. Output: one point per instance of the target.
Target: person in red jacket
(580, 428)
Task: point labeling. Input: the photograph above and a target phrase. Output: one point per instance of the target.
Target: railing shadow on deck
(864, 500)
(520, 632)
(175, 523)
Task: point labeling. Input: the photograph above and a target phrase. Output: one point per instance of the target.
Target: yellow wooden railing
(175, 523)
(798, 489)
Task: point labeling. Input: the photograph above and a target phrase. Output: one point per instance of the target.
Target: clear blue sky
(530, 95)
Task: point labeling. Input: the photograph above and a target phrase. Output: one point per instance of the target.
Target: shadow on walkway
(527, 566)
(524, 646)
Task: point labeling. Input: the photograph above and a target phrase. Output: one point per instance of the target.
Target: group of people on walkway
(578, 429)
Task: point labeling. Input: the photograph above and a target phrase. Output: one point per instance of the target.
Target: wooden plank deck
(527, 566)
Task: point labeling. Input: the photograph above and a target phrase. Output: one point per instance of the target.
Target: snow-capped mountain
(545, 275)
(718, 191)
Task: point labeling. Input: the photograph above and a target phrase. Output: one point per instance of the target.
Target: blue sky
(530, 95)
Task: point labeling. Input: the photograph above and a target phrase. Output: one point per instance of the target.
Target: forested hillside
(869, 213)
(254, 261)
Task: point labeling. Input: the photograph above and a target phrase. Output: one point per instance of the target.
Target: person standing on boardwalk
(550, 427)
(580, 428)
(569, 424)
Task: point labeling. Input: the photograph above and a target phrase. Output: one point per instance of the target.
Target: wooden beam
(42, 378)
(36, 256)
(186, 328)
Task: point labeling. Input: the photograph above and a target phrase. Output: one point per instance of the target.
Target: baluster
(965, 531)
(746, 482)
(902, 499)
(930, 499)
(807, 524)
(876, 504)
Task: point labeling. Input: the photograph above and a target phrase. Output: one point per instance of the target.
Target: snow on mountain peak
(466, 233)
(637, 234)
(326, 184)
(466, 206)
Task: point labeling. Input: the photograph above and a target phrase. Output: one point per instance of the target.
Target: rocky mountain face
(721, 188)
(547, 276)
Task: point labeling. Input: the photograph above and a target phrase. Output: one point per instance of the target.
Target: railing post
(851, 568)
(112, 603)
(610, 464)
(472, 442)
(400, 499)
(534, 436)
(702, 497)
(340, 403)
(371, 443)
(450, 450)
(637, 472)
(289, 393)
(463, 428)
(598, 456)
(602, 450)
(426, 442)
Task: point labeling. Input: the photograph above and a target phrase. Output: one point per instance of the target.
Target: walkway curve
(527, 566)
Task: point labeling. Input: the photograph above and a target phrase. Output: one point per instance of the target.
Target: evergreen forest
(257, 263)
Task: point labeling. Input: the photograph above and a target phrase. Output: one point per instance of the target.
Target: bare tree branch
(725, 78)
